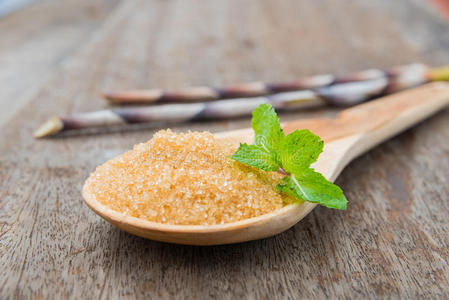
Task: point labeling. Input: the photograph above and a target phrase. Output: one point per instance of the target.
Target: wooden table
(393, 240)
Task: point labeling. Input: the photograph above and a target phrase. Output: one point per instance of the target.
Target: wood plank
(392, 241)
(36, 39)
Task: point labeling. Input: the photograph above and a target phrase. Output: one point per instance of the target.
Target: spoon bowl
(353, 132)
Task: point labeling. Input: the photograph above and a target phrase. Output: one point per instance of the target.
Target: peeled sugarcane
(337, 94)
(202, 94)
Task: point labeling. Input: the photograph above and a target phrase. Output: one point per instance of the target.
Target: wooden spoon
(353, 132)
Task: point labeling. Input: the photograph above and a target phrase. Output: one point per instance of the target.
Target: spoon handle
(383, 118)
(360, 128)
(380, 120)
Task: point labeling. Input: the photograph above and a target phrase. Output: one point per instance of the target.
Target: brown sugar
(185, 179)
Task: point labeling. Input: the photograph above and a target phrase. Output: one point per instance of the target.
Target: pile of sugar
(185, 179)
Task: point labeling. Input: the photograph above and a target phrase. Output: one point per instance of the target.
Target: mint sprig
(273, 151)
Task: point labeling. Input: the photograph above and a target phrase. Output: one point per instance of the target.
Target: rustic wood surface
(392, 241)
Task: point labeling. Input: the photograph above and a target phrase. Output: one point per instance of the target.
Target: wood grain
(392, 241)
(37, 39)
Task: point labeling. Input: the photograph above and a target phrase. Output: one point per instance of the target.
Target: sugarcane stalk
(202, 94)
(220, 109)
(338, 94)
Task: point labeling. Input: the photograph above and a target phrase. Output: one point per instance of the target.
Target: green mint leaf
(294, 154)
(267, 129)
(299, 150)
(255, 156)
(313, 187)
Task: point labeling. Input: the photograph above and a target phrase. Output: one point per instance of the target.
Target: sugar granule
(185, 179)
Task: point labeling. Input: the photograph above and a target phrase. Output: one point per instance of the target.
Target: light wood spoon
(353, 132)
